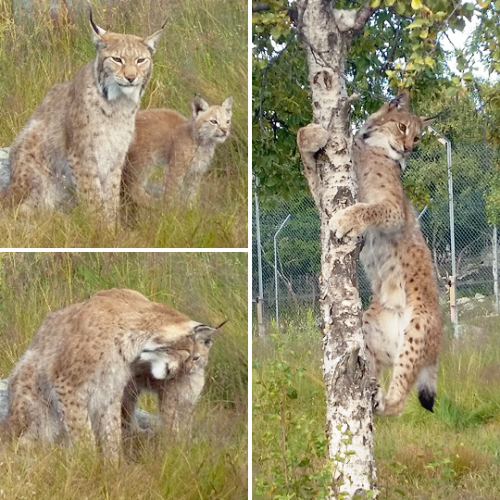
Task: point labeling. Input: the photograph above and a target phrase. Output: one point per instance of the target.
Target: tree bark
(327, 35)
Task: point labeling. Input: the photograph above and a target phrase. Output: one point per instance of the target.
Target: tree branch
(362, 17)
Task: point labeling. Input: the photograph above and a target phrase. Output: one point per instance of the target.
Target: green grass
(203, 51)
(452, 454)
(208, 288)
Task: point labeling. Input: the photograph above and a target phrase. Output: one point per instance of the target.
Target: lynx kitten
(403, 325)
(78, 136)
(70, 383)
(178, 395)
(185, 146)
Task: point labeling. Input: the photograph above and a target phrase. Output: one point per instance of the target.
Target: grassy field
(208, 288)
(453, 454)
(203, 51)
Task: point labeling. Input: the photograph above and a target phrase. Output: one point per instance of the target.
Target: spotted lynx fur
(185, 147)
(403, 325)
(70, 383)
(76, 139)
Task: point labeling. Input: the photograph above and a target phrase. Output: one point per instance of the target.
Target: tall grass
(203, 51)
(206, 287)
(452, 454)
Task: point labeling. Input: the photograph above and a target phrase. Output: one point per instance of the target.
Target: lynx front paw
(312, 138)
(345, 221)
(377, 397)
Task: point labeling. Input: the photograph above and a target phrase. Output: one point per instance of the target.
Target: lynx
(403, 325)
(70, 383)
(178, 395)
(185, 146)
(76, 139)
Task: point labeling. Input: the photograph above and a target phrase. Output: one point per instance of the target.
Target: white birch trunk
(327, 36)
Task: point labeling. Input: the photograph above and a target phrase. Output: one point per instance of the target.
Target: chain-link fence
(295, 246)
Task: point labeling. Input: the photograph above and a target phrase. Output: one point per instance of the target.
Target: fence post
(495, 266)
(453, 306)
(260, 298)
(276, 268)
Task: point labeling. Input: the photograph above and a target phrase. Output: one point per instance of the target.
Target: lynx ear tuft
(97, 32)
(427, 121)
(152, 40)
(401, 102)
(221, 325)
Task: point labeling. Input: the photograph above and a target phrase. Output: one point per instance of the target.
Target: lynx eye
(402, 127)
(118, 60)
(214, 122)
(141, 60)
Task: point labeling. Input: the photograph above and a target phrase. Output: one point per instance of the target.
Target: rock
(4, 400)
(4, 169)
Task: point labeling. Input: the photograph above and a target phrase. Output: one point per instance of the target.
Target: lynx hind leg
(411, 361)
(30, 186)
(381, 333)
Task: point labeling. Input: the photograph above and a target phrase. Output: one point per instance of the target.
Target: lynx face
(123, 64)
(394, 128)
(165, 362)
(211, 123)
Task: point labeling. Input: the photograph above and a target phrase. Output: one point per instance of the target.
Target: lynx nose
(130, 78)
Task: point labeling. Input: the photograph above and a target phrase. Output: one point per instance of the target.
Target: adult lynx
(76, 139)
(70, 382)
(403, 325)
(185, 146)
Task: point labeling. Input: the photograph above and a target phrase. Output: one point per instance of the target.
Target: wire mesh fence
(293, 282)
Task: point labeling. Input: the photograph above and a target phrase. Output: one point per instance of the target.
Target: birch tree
(327, 35)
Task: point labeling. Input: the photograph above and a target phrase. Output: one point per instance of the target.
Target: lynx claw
(341, 224)
(377, 397)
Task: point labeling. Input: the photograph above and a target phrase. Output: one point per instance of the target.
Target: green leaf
(417, 23)
(416, 4)
(400, 8)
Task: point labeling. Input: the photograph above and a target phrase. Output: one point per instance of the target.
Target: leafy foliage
(400, 45)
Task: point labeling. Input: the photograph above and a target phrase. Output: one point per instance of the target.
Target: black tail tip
(426, 398)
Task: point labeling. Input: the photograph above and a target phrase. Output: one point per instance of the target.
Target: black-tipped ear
(427, 121)
(152, 40)
(401, 102)
(198, 106)
(97, 32)
(228, 104)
